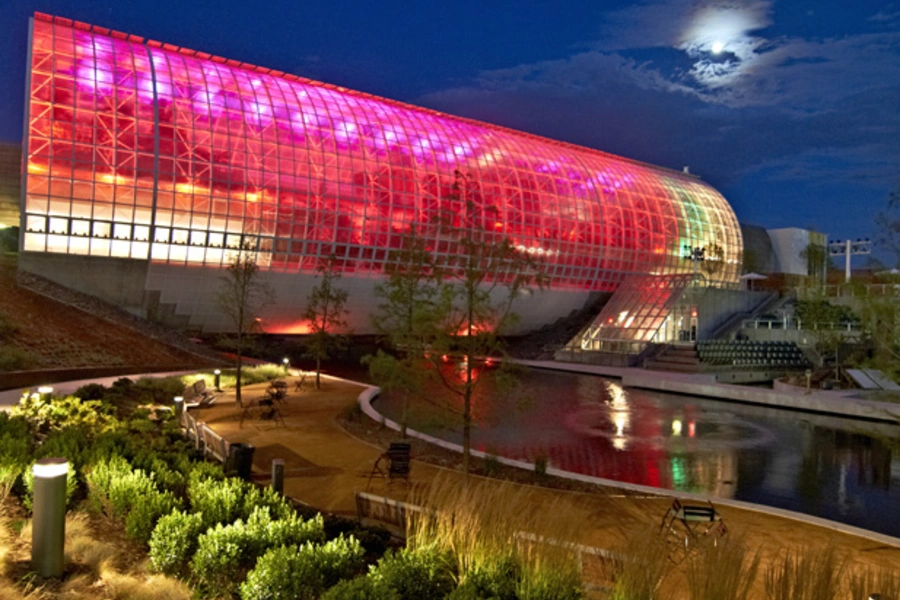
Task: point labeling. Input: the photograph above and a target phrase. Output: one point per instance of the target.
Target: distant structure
(147, 166)
(10, 176)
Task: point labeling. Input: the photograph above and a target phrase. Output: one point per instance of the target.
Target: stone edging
(365, 402)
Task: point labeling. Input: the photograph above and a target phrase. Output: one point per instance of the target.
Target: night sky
(790, 108)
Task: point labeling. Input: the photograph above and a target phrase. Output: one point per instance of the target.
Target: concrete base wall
(185, 296)
(119, 281)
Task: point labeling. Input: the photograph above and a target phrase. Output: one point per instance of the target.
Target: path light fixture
(179, 407)
(218, 379)
(49, 522)
(45, 391)
(287, 364)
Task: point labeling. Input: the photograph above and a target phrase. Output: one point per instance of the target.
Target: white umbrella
(749, 278)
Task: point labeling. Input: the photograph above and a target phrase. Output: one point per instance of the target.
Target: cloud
(820, 110)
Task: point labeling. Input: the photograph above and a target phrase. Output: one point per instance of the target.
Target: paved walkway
(325, 466)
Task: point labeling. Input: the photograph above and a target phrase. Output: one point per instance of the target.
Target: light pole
(695, 254)
(849, 248)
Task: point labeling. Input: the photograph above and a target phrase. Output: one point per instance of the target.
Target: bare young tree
(326, 315)
(480, 281)
(242, 295)
(406, 318)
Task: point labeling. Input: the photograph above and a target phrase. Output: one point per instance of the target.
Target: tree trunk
(467, 430)
(318, 373)
(240, 361)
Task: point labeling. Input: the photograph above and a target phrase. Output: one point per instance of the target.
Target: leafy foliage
(15, 451)
(415, 574)
(326, 315)
(226, 552)
(46, 415)
(174, 541)
(302, 572)
(241, 297)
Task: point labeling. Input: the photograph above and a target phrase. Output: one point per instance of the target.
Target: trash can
(240, 460)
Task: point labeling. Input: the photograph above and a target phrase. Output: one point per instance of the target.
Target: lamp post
(695, 254)
(847, 249)
(179, 407)
(49, 523)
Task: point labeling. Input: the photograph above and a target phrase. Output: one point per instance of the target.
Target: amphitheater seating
(752, 354)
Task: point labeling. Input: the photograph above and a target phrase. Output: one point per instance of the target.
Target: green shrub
(220, 502)
(13, 358)
(540, 466)
(28, 481)
(549, 585)
(90, 391)
(498, 580)
(163, 474)
(341, 558)
(225, 552)
(174, 541)
(144, 514)
(8, 326)
(302, 572)
(15, 451)
(71, 443)
(361, 588)
(255, 497)
(201, 471)
(216, 565)
(100, 479)
(415, 574)
(44, 416)
(9, 239)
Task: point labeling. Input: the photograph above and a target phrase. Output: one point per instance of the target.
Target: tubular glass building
(147, 165)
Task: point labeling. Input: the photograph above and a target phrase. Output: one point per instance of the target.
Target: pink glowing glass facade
(137, 149)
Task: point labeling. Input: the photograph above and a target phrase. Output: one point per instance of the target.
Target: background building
(148, 165)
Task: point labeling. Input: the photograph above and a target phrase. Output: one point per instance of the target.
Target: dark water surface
(839, 469)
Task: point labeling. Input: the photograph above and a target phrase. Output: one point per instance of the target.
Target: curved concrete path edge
(371, 392)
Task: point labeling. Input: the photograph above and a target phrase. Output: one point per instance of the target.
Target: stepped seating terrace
(750, 353)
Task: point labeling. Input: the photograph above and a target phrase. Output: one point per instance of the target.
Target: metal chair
(393, 464)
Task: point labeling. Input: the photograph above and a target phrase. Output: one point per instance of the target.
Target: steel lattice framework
(144, 150)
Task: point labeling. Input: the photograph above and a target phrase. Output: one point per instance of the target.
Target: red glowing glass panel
(144, 150)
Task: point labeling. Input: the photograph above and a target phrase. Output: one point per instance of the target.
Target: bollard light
(45, 391)
(218, 379)
(278, 475)
(287, 364)
(179, 407)
(49, 523)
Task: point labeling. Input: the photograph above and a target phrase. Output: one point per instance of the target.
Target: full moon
(718, 47)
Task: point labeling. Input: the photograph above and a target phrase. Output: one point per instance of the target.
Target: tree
(406, 316)
(713, 259)
(887, 223)
(242, 296)
(479, 281)
(325, 314)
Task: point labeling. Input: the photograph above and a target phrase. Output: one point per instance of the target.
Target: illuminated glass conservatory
(147, 164)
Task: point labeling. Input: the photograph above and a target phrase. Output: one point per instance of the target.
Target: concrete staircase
(677, 358)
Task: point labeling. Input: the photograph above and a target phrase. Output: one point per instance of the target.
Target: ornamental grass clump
(882, 581)
(807, 574)
(487, 523)
(723, 569)
(640, 566)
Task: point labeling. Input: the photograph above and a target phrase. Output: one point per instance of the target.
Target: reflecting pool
(839, 469)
